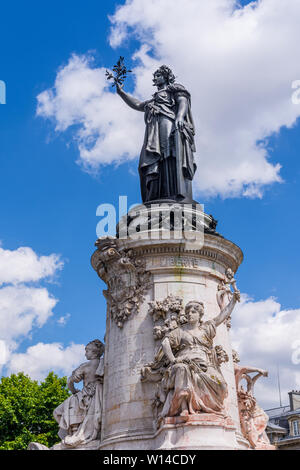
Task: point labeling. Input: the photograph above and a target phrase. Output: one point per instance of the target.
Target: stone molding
(215, 249)
(190, 432)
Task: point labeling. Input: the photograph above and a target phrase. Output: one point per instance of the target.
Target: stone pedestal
(137, 272)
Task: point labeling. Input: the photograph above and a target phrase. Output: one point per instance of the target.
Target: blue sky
(49, 200)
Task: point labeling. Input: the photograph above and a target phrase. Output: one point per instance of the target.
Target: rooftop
(277, 412)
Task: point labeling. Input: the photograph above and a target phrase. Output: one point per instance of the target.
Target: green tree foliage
(26, 408)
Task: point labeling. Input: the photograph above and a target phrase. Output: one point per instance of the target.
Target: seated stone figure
(79, 416)
(186, 366)
(193, 382)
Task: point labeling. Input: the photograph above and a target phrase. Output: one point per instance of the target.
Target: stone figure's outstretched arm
(243, 371)
(76, 377)
(168, 350)
(226, 312)
(71, 385)
(249, 369)
(261, 373)
(130, 100)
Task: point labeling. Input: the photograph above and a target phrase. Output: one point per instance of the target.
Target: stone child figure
(193, 382)
(166, 164)
(79, 416)
(224, 292)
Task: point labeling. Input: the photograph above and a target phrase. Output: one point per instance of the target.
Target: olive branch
(120, 72)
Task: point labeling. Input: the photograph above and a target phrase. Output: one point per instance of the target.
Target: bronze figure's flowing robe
(167, 164)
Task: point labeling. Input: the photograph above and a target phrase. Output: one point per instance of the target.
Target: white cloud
(22, 308)
(42, 358)
(108, 132)
(24, 305)
(267, 337)
(238, 63)
(64, 319)
(3, 353)
(24, 265)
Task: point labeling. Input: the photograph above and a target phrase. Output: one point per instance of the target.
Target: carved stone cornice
(215, 249)
(125, 265)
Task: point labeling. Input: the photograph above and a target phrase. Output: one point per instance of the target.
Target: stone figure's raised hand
(179, 124)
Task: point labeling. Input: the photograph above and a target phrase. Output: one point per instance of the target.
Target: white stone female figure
(79, 416)
(193, 382)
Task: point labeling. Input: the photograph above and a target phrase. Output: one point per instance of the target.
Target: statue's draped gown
(198, 380)
(83, 409)
(167, 164)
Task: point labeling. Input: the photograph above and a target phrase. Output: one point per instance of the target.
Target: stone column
(137, 272)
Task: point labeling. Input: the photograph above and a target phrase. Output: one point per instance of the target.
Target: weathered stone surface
(224, 293)
(253, 418)
(186, 366)
(37, 446)
(79, 416)
(128, 417)
(197, 432)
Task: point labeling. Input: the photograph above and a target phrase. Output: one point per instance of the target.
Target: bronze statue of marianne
(167, 164)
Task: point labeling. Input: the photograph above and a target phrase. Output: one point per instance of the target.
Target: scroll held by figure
(79, 416)
(167, 165)
(186, 366)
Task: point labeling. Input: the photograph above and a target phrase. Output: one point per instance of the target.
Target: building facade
(284, 424)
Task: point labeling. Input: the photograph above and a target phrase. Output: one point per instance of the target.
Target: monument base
(195, 432)
(172, 259)
(93, 445)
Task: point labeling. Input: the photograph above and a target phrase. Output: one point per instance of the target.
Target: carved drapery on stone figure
(79, 416)
(186, 366)
(224, 292)
(125, 276)
(167, 164)
(253, 419)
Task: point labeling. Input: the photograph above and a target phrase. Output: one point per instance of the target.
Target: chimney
(294, 396)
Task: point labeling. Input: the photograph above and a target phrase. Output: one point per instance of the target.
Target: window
(296, 428)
